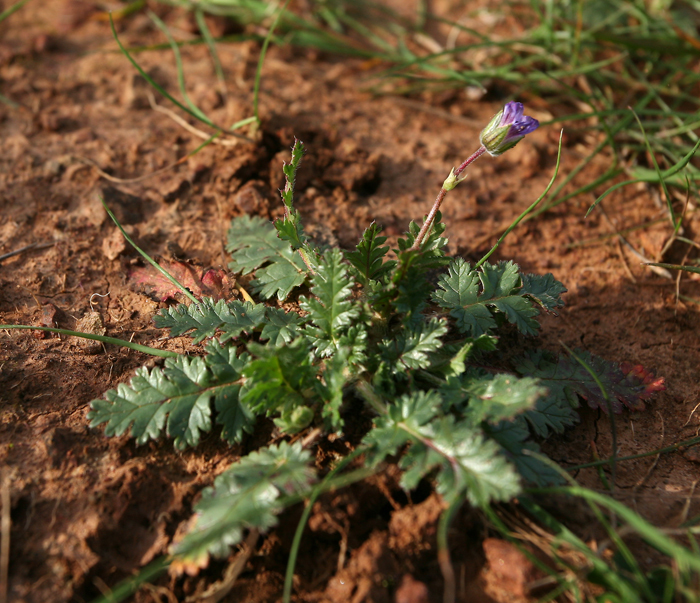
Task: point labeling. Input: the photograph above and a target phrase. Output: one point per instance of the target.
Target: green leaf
(235, 416)
(431, 253)
(254, 245)
(410, 348)
(252, 242)
(555, 411)
(492, 398)
(355, 341)
(281, 327)
(368, 257)
(466, 462)
(208, 317)
(460, 294)
(335, 376)
(473, 309)
(501, 284)
(176, 397)
(279, 278)
(249, 494)
(544, 289)
(413, 295)
(332, 312)
(450, 359)
(289, 227)
(281, 381)
(393, 430)
(290, 172)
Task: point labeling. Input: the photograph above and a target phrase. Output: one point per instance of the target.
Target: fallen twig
(26, 248)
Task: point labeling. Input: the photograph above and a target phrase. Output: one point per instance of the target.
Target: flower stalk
(506, 129)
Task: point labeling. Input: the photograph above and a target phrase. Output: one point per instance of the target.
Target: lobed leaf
(513, 438)
(368, 256)
(249, 494)
(281, 327)
(234, 416)
(289, 227)
(209, 316)
(393, 430)
(544, 289)
(450, 359)
(466, 462)
(282, 381)
(411, 348)
(254, 246)
(565, 378)
(413, 295)
(280, 277)
(252, 242)
(485, 397)
(473, 297)
(178, 398)
(335, 376)
(331, 312)
(290, 172)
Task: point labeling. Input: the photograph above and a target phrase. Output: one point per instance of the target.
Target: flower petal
(512, 113)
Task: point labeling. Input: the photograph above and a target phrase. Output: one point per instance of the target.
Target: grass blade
(102, 338)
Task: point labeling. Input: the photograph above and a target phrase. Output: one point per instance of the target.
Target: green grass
(592, 60)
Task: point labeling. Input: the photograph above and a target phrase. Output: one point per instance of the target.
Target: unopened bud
(507, 128)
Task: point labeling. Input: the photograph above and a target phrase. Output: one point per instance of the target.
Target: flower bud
(451, 181)
(507, 128)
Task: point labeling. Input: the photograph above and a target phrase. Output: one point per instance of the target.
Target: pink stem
(440, 198)
(479, 152)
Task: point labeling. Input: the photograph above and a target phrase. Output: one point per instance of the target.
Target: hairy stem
(429, 220)
(441, 196)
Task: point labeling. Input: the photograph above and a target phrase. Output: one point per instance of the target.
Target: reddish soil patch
(88, 511)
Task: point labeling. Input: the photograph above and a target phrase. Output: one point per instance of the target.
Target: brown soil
(88, 511)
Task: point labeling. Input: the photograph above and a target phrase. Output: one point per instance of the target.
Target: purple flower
(507, 128)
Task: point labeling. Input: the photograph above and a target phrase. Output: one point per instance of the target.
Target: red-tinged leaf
(566, 376)
(638, 373)
(201, 282)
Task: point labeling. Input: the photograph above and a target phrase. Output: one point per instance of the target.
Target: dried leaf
(201, 282)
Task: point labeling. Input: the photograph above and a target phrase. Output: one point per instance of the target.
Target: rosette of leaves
(371, 337)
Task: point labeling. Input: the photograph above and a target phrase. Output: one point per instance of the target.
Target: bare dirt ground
(88, 511)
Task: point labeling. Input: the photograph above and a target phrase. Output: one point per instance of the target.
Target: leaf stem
(429, 220)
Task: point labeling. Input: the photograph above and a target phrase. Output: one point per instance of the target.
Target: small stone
(692, 454)
(508, 567)
(91, 323)
(250, 198)
(411, 591)
(115, 244)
